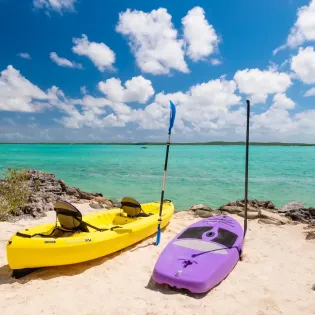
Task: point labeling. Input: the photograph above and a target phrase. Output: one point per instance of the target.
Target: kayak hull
(39, 252)
(200, 256)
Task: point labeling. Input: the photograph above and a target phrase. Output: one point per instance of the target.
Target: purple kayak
(201, 256)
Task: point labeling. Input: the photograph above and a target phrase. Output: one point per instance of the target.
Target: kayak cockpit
(69, 220)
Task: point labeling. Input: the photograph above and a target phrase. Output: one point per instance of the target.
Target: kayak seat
(69, 217)
(70, 221)
(133, 208)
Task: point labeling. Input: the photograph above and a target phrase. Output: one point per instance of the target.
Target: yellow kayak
(75, 238)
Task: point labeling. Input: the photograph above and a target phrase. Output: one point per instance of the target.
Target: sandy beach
(275, 277)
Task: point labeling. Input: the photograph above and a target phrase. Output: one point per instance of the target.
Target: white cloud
(55, 5)
(274, 120)
(63, 62)
(99, 53)
(13, 136)
(310, 92)
(200, 107)
(304, 27)
(305, 122)
(200, 36)
(278, 125)
(281, 101)
(208, 111)
(303, 64)
(19, 94)
(258, 84)
(25, 55)
(137, 89)
(153, 40)
(215, 61)
(83, 90)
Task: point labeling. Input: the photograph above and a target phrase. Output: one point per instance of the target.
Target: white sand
(275, 277)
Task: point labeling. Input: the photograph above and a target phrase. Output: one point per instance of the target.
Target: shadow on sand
(166, 289)
(47, 273)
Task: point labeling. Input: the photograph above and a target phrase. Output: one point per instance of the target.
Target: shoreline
(214, 143)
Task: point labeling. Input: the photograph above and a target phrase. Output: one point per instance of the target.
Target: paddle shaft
(164, 177)
(246, 168)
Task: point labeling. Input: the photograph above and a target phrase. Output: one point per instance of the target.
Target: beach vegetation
(14, 192)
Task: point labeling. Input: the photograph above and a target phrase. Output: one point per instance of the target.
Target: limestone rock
(207, 214)
(96, 205)
(254, 204)
(116, 203)
(273, 217)
(101, 203)
(304, 215)
(46, 189)
(310, 235)
(250, 215)
(201, 207)
(232, 209)
(203, 213)
(295, 205)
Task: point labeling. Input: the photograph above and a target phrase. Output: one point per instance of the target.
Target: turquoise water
(196, 174)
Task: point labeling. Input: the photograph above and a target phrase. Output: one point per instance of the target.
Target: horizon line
(173, 143)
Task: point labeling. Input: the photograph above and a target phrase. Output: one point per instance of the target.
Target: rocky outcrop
(265, 211)
(305, 215)
(101, 203)
(204, 211)
(252, 205)
(45, 189)
(295, 205)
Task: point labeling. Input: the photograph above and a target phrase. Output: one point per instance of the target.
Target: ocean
(209, 174)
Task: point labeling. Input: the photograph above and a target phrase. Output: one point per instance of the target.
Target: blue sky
(79, 70)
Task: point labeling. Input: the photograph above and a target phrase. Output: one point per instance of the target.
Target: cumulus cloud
(99, 53)
(310, 92)
(200, 36)
(303, 29)
(199, 107)
(258, 84)
(303, 64)
(153, 40)
(207, 111)
(137, 89)
(19, 94)
(63, 62)
(55, 5)
(274, 120)
(25, 55)
(281, 101)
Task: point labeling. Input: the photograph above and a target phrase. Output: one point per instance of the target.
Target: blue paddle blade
(172, 116)
(158, 236)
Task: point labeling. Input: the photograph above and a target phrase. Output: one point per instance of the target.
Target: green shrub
(14, 192)
(37, 185)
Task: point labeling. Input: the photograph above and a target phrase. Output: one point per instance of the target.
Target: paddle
(172, 118)
(246, 168)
